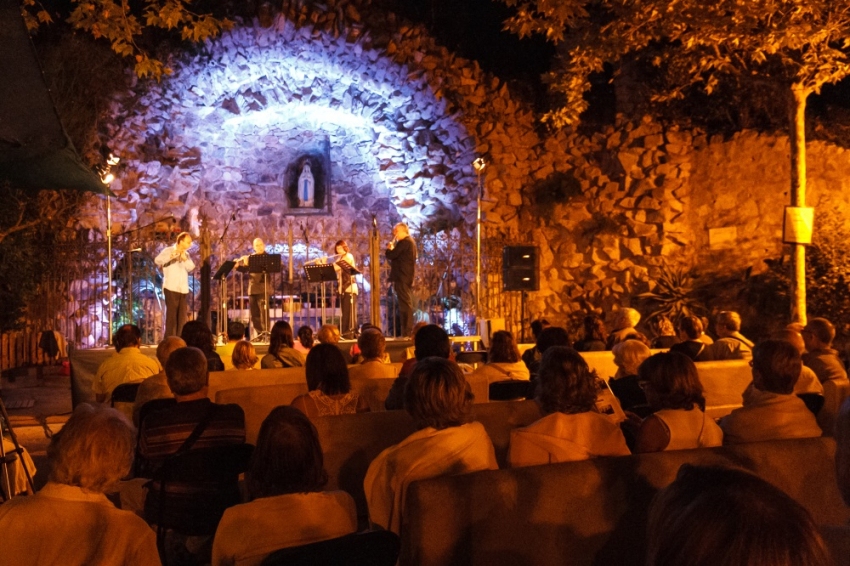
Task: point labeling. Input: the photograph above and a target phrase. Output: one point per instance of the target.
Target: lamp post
(106, 178)
(479, 165)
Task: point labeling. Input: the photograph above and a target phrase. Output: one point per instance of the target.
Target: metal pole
(375, 275)
(109, 265)
(478, 253)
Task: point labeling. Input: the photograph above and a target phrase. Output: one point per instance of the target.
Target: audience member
(328, 384)
(548, 337)
(503, 360)
(287, 505)
(439, 399)
(156, 386)
(625, 384)
(532, 355)
(164, 431)
(808, 381)
(245, 356)
(374, 364)
(674, 392)
(409, 352)
(713, 516)
(572, 428)
(623, 325)
(665, 333)
(70, 520)
(771, 411)
(235, 333)
(328, 334)
(691, 340)
(818, 335)
(430, 341)
(594, 337)
(198, 335)
(730, 343)
(305, 340)
(126, 365)
(282, 353)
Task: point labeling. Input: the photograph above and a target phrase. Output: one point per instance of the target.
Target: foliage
(29, 227)
(123, 26)
(801, 45)
(675, 294)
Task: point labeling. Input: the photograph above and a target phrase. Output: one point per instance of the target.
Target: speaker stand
(522, 316)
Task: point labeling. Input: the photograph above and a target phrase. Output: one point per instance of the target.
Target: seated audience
(691, 339)
(156, 386)
(665, 333)
(430, 341)
(531, 355)
(328, 384)
(808, 381)
(164, 431)
(305, 340)
(409, 352)
(594, 337)
(549, 337)
(198, 335)
(245, 356)
(328, 334)
(625, 384)
(235, 333)
(771, 411)
(439, 399)
(128, 364)
(503, 360)
(818, 335)
(282, 353)
(674, 392)
(373, 365)
(70, 521)
(287, 506)
(730, 343)
(713, 516)
(572, 428)
(623, 325)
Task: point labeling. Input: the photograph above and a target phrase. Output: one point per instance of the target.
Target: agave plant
(674, 295)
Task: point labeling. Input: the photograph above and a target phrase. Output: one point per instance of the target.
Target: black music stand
(320, 274)
(220, 275)
(265, 264)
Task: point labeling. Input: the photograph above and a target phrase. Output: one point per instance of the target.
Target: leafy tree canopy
(123, 25)
(801, 44)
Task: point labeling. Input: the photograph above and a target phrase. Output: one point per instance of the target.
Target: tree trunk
(797, 135)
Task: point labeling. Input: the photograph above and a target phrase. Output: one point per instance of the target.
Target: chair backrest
(376, 548)
(375, 391)
(141, 467)
(233, 379)
(190, 492)
(257, 402)
(723, 384)
(471, 358)
(351, 442)
(593, 511)
(511, 389)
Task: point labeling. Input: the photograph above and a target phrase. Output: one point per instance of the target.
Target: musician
(256, 293)
(401, 253)
(176, 265)
(343, 260)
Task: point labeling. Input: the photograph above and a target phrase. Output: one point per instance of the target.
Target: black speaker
(519, 268)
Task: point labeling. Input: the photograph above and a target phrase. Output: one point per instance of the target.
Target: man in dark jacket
(401, 254)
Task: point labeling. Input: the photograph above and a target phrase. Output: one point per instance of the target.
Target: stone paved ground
(49, 394)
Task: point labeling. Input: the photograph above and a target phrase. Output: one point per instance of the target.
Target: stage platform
(84, 363)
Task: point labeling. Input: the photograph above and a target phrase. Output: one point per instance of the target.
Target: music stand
(352, 271)
(320, 273)
(265, 264)
(220, 275)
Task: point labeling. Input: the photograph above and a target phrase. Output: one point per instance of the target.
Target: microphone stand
(222, 288)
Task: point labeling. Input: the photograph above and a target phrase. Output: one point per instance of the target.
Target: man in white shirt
(176, 265)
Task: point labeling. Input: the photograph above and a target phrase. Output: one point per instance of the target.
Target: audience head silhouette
(552, 336)
(431, 340)
(128, 336)
(437, 395)
(670, 381)
(327, 370)
(503, 349)
(566, 383)
(776, 366)
(186, 371)
(280, 337)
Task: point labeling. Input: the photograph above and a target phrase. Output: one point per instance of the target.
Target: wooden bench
(590, 512)
(351, 442)
(258, 401)
(238, 378)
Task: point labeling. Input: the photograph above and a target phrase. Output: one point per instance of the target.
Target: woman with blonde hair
(503, 360)
(245, 356)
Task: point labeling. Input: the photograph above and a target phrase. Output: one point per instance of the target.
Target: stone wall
(405, 118)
